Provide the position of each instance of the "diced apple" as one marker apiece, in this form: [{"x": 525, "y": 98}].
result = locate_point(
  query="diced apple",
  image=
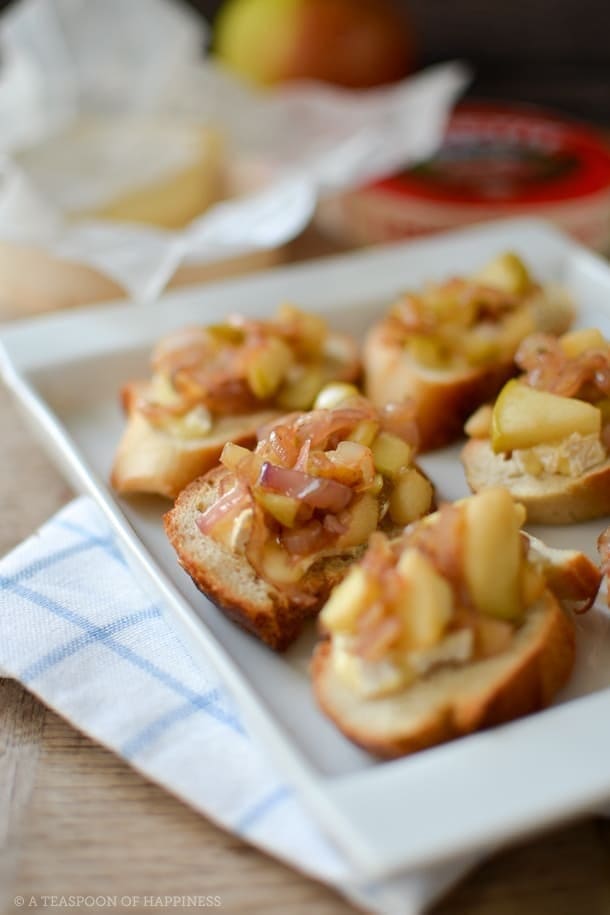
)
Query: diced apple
[
  {"x": 493, "y": 553},
  {"x": 520, "y": 513},
  {"x": 232, "y": 455},
  {"x": 428, "y": 351},
  {"x": 426, "y": 603},
  {"x": 579, "y": 341},
  {"x": 411, "y": 497},
  {"x": 278, "y": 565},
  {"x": 268, "y": 366},
  {"x": 479, "y": 424},
  {"x": 479, "y": 346},
  {"x": 334, "y": 394},
  {"x": 354, "y": 464},
  {"x": 226, "y": 333},
  {"x": 364, "y": 433},
  {"x": 363, "y": 521},
  {"x": 507, "y": 273},
  {"x": 301, "y": 387},
  {"x": 377, "y": 484},
  {"x": 348, "y": 600},
  {"x": 524, "y": 417},
  {"x": 312, "y": 329},
  {"x": 283, "y": 508},
  {"x": 443, "y": 301},
  {"x": 391, "y": 454},
  {"x": 516, "y": 326}
]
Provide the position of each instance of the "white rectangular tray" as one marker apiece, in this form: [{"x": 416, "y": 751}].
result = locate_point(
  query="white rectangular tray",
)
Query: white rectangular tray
[{"x": 66, "y": 371}]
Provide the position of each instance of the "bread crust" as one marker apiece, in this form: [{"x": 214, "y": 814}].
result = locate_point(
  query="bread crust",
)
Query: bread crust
[
  {"x": 471, "y": 697},
  {"x": 549, "y": 499},
  {"x": 443, "y": 400},
  {"x": 230, "y": 582}
]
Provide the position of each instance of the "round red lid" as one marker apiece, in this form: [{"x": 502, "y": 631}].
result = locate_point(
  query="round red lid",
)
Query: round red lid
[{"x": 508, "y": 155}]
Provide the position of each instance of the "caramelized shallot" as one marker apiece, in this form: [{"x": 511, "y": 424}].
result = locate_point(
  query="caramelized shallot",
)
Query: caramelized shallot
[
  {"x": 228, "y": 506},
  {"x": 549, "y": 368},
  {"x": 317, "y": 492}
]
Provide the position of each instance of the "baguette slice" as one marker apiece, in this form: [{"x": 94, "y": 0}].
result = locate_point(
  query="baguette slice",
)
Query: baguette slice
[
  {"x": 150, "y": 459},
  {"x": 228, "y": 579},
  {"x": 548, "y": 499},
  {"x": 454, "y": 701},
  {"x": 443, "y": 399}
]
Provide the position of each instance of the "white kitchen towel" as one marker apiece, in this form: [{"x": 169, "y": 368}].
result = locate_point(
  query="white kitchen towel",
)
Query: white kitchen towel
[{"x": 80, "y": 633}]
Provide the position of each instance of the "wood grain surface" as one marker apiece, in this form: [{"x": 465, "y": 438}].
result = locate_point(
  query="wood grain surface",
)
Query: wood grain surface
[{"x": 74, "y": 819}]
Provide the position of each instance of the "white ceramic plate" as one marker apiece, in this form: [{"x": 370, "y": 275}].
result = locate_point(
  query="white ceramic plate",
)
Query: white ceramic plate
[{"x": 476, "y": 792}]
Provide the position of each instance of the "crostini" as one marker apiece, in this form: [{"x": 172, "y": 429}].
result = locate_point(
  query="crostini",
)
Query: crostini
[
  {"x": 547, "y": 437},
  {"x": 269, "y": 533},
  {"x": 450, "y": 347},
  {"x": 220, "y": 383},
  {"x": 457, "y": 625}
]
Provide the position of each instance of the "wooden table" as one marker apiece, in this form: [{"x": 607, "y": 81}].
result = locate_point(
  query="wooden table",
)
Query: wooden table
[{"x": 76, "y": 820}]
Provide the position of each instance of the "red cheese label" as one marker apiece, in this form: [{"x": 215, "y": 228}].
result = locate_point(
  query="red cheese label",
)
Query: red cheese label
[{"x": 508, "y": 155}]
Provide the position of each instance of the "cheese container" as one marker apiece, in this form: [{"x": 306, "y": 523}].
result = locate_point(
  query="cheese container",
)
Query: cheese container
[{"x": 497, "y": 161}]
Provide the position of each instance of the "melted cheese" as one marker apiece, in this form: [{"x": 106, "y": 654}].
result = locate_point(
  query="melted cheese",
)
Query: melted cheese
[
  {"x": 372, "y": 679},
  {"x": 197, "y": 423},
  {"x": 240, "y": 531},
  {"x": 572, "y": 457},
  {"x": 368, "y": 679}
]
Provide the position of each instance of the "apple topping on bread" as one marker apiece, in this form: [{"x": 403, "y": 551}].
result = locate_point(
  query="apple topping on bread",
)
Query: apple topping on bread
[
  {"x": 219, "y": 383},
  {"x": 456, "y": 625},
  {"x": 271, "y": 531},
  {"x": 450, "y": 347},
  {"x": 603, "y": 548},
  {"x": 547, "y": 436}
]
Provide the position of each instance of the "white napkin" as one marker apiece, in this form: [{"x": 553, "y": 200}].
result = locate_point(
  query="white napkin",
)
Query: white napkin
[
  {"x": 80, "y": 634},
  {"x": 66, "y": 59}
]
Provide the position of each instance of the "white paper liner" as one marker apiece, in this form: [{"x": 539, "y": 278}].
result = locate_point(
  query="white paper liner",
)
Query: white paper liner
[{"x": 67, "y": 60}]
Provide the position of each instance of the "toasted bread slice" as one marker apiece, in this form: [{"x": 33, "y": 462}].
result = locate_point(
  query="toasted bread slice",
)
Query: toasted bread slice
[
  {"x": 453, "y": 701},
  {"x": 154, "y": 459},
  {"x": 150, "y": 460},
  {"x": 549, "y": 498},
  {"x": 443, "y": 400},
  {"x": 230, "y": 581},
  {"x": 444, "y": 397}
]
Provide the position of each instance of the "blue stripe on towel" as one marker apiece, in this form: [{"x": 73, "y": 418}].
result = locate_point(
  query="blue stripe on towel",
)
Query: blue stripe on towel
[
  {"x": 160, "y": 725},
  {"x": 59, "y": 654},
  {"x": 47, "y": 562},
  {"x": 107, "y": 543},
  {"x": 99, "y": 634},
  {"x": 260, "y": 810}
]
